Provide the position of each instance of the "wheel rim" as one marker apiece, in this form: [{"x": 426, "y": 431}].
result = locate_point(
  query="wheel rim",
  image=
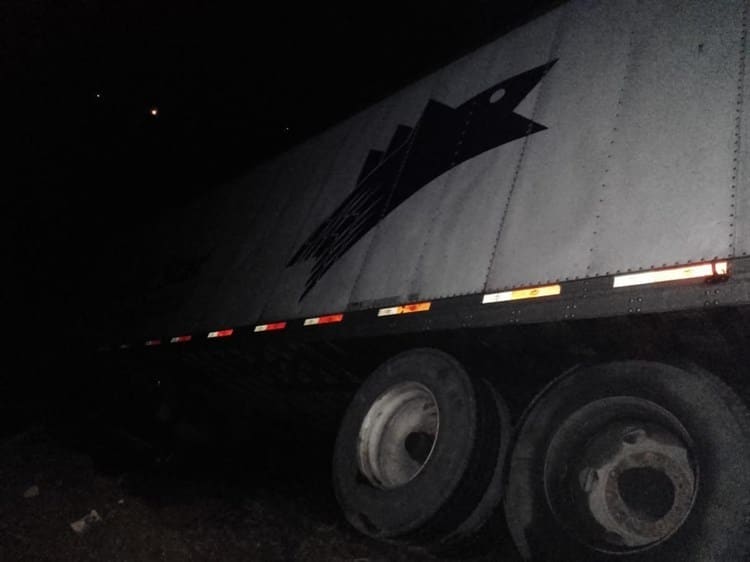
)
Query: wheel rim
[
  {"x": 398, "y": 435},
  {"x": 620, "y": 475}
]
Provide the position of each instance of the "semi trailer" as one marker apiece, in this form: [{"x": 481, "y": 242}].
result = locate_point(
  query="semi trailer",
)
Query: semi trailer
[{"x": 532, "y": 264}]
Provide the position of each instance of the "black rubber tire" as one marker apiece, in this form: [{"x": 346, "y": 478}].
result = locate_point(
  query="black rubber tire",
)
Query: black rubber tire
[
  {"x": 460, "y": 469},
  {"x": 478, "y": 533},
  {"x": 718, "y": 422}
]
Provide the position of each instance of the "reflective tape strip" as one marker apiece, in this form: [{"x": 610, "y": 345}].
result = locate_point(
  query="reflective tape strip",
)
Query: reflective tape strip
[
  {"x": 180, "y": 339},
  {"x": 405, "y": 309},
  {"x": 330, "y": 319},
  {"x": 520, "y": 294},
  {"x": 672, "y": 274},
  {"x": 150, "y": 343},
  {"x": 270, "y": 327},
  {"x": 221, "y": 333}
]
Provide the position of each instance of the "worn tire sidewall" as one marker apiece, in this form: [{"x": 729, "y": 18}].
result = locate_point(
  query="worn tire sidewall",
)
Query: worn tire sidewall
[{"x": 491, "y": 502}]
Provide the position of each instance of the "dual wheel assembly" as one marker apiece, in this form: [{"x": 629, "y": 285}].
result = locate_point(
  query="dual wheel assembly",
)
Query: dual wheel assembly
[{"x": 630, "y": 460}]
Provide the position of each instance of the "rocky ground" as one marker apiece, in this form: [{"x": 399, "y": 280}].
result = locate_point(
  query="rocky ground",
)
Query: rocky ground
[{"x": 188, "y": 505}]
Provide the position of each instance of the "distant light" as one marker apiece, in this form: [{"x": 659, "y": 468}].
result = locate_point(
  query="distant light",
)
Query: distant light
[
  {"x": 98, "y": 95},
  {"x": 154, "y": 111},
  {"x": 286, "y": 129}
]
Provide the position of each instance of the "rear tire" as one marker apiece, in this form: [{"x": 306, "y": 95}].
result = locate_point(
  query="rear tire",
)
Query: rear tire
[
  {"x": 418, "y": 449},
  {"x": 478, "y": 534},
  {"x": 632, "y": 460}
]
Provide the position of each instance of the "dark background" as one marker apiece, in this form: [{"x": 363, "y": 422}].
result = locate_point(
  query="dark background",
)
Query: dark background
[
  {"x": 85, "y": 158},
  {"x": 85, "y": 161},
  {"x": 232, "y": 83}
]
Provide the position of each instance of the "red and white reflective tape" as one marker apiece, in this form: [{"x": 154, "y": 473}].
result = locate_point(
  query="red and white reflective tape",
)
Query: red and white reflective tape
[
  {"x": 180, "y": 339},
  {"x": 690, "y": 271},
  {"x": 221, "y": 333},
  {"x": 329, "y": 319},
  {"x": 405, "y": 309},
  {"x": 270, "y": 327}
]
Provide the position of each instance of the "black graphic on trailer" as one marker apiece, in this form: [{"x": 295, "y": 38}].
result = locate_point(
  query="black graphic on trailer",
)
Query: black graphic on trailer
[{"x": 443, "y": 138}]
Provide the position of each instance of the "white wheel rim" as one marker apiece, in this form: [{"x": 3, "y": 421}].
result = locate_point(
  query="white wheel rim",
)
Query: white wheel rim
[{"x": 398, "y": 435}]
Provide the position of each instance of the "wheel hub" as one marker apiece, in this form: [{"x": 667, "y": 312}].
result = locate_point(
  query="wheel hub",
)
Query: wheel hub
[
  {"x": 641, "y": 492},
  {"x": 619, "y": 474}
]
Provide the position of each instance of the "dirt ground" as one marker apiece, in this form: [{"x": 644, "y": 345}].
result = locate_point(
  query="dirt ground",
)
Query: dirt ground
[{"x": 190, "y": 505}]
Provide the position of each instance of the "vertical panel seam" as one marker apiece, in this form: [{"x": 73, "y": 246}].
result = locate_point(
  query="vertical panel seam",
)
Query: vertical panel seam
[
  {"x": 307, "y": 214},
  {"x": 519, "y": 163},
  {"x": 378, "y": 226},
  {"x": 604, "y": 185},
  {"x": 438, "y": 211},
  {"x": 738, "y": 133}
]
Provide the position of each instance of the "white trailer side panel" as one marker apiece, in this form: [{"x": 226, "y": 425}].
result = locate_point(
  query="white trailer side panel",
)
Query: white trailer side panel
[
  {"x": 230, "y": 299},
  {"x": 618, "y": 143},
  {"x": 371, "y": 130},
  {"x": 459, "y": 244},
  {"x": 233, "y": 217},
  {"x": 296, "y": 189},
  {"x": 548, "y": 230},
  {"x": 285, "y": 301},
  {"x": 411, "y": 222},
  {"x": 668, "y": 197},
  {"x": 383, "y": 255}
]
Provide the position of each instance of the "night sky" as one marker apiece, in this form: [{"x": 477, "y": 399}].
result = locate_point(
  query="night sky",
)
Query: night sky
[{"x": 118, "y": 111}]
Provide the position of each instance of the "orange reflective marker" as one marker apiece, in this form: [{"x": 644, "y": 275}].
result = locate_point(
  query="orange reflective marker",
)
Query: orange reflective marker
[{"x": 405, "y": 309}]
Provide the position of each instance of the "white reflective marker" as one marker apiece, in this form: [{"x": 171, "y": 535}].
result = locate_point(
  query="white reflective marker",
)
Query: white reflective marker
[
  {"x": 672, "y": 274},
  {"x": 521, "y": 294}
]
